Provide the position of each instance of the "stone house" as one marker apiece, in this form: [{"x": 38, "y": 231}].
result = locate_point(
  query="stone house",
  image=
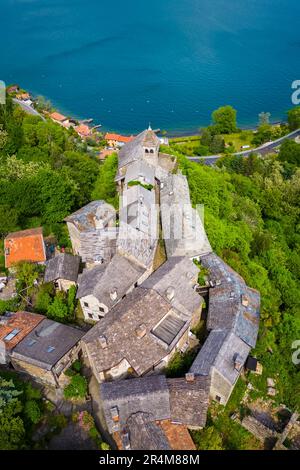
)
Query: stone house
[
  {"x": 63, "y": 271},
  {"x": 150, "y": 324},
  {"x": 47, "y": 351},
  {"x": 92, "y": 230},
  {"x": 144, "y": 146},
  {"x": 102, "y": 287},
  {"x": 233, "y": 321},
  {"x": 13, "y": 328},
  {"x": 154, "y": 413}
]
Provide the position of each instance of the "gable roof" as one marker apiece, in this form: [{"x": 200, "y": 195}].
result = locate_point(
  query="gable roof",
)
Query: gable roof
[
  {"x": 148, "y": 395},
  {"x": 140, "y": 169},
  {"x": 143, "y": 308},
  {"x": 118, "y": 137},
  {"x": 182, "y": 227},
  {"x": 220, "y": 351},
  {"x": 18, "y": 325},
  {"x": 226, "y": 299},
  {"x": 189, "y": 401},
  {"x": 83, "y": 130},
  {"x": 178, "y": 275},
  {"x": 58, "y": 117},
  {"x": 34, "y": 349},
  {"x": 115, "y": 277},
  {"x": 25, "y": 245},
  {"x": 134, "y": 150},
  {"x": 87, "y": 218},
  {"x": 63, "y": 266}
]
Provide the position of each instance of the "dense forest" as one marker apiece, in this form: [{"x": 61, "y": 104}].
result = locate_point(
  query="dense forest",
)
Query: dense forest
[{"x": 252, "y": 209}]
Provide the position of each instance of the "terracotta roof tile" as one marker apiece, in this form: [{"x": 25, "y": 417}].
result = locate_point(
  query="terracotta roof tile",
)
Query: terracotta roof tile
[
  {"x": 118, "y": 137},
  {"x": 23, "y": 321},
  {"x": 58, "y": 117},
  {"x": 26, "y": 245}
]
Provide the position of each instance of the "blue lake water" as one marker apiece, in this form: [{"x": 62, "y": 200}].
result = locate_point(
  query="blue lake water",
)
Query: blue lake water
[{"x": 170, "y": 62}]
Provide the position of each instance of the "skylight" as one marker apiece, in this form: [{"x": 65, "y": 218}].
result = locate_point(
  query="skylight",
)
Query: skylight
[
  {"x": 12, "y": 334},
  {"x": 50, "y": 349}
]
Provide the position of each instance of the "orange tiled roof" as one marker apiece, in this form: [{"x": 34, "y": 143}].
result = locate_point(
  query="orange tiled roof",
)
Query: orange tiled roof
[
  {"x": 26, "y": 245},
  {"x": 83, "y": 130},
  {"x": 118, "y": 137},
  {"x": 23, "y": 321},
  {"x": 23, "y": 96},
  {"x": 178, "y": 435},
  {"x": 58, "y": 117}
]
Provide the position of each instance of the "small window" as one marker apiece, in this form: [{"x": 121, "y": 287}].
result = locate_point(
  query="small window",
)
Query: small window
[
  {"x": 101, "y": 309},
  {"x": 218, "y": 398},
  {"x": 90, "y": 315},
  {"x": 100, "y": 317},
  {"x": 11, "y": 335},
  {"x": 50, "y": 349},
  {"x": 85, "y": 304},
  {"x": 31, "y": 342}
]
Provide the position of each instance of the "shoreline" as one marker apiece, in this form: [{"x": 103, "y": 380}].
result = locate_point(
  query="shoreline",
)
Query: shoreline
[{"x": 171, "y": 133}]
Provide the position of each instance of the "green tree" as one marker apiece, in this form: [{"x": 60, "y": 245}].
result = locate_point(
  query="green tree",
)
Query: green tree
[
  {"x": 290, "y": 152},
  {"x": 105, "y": 186},
  {"x": 217, "y": 144},
  {"x": 294, "y": 118},
  {"x": 32, "y": 411},
  {"x": 208, "y": 439},
  {"x": 224, "y": 120},
  {"x": 58, "y": 309}
]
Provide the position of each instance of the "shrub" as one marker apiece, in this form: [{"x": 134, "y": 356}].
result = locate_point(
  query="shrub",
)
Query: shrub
[
  {"x": 77, "y": 388},
  {"x": 32, "y": 411}
]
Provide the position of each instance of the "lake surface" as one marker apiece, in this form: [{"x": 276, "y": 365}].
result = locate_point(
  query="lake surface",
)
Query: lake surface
[{"x": 168, "y": 62}]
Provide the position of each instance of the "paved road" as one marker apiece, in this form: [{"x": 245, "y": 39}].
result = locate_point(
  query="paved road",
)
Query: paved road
[
  {"x": 263, "y": 150},
  {"x": 28, "y": 109}
]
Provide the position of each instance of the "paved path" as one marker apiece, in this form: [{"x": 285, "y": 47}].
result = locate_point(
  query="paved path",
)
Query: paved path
[
  {"x": 28, "y": 109},
  {"x": 263, "y": 150}
]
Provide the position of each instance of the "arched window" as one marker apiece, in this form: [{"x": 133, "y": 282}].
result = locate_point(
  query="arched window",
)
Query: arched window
[
  {"x": 151, "y": 151},
  {"x": 146, "y": 151}
]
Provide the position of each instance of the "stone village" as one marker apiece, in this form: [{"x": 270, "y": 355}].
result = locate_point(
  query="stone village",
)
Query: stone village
[{"x": 143, "y": 310}]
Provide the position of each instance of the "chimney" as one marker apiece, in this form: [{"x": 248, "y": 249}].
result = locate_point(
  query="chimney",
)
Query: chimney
[
  {"x": 103, "y": 342},
  {"x": 113, "y": 294},
  {"x": 115, "y": 414},
  {"x": 141, "y": 331},
  {"x": 190, "y": 377},
  {"x": 238, "y": 362},
  {"x": 170, "y": 292}
]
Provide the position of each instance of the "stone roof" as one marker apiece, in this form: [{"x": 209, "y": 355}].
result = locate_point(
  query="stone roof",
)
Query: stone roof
[
  {"x": 220, "y": 351},
  {"x": 47, "y": 343},
  {"x": 134, "y": 150},
  {"x": 138, "y": 228},
  {"x": 189, "y": 401},
  {"x": 63, "y": 266},
  {"x": 183, "y": 230},
  {"x": 145, "y": 434},
  {"x": 175, "y": 280},
  {"x": 148, "y": 395},
  {"x": 177, "y": 400},
  {"x": 208, "y": 353},
  {"x": 140, "y": 171},
  {"x": 232, "y": 305},
  {"x": 103, "y": 281},
  {"x": 141, "y": 311},
  {"x": 16, "y": 326},
  {"x": 93, "y": 216},
  {"x": 25, "y": 245}
]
